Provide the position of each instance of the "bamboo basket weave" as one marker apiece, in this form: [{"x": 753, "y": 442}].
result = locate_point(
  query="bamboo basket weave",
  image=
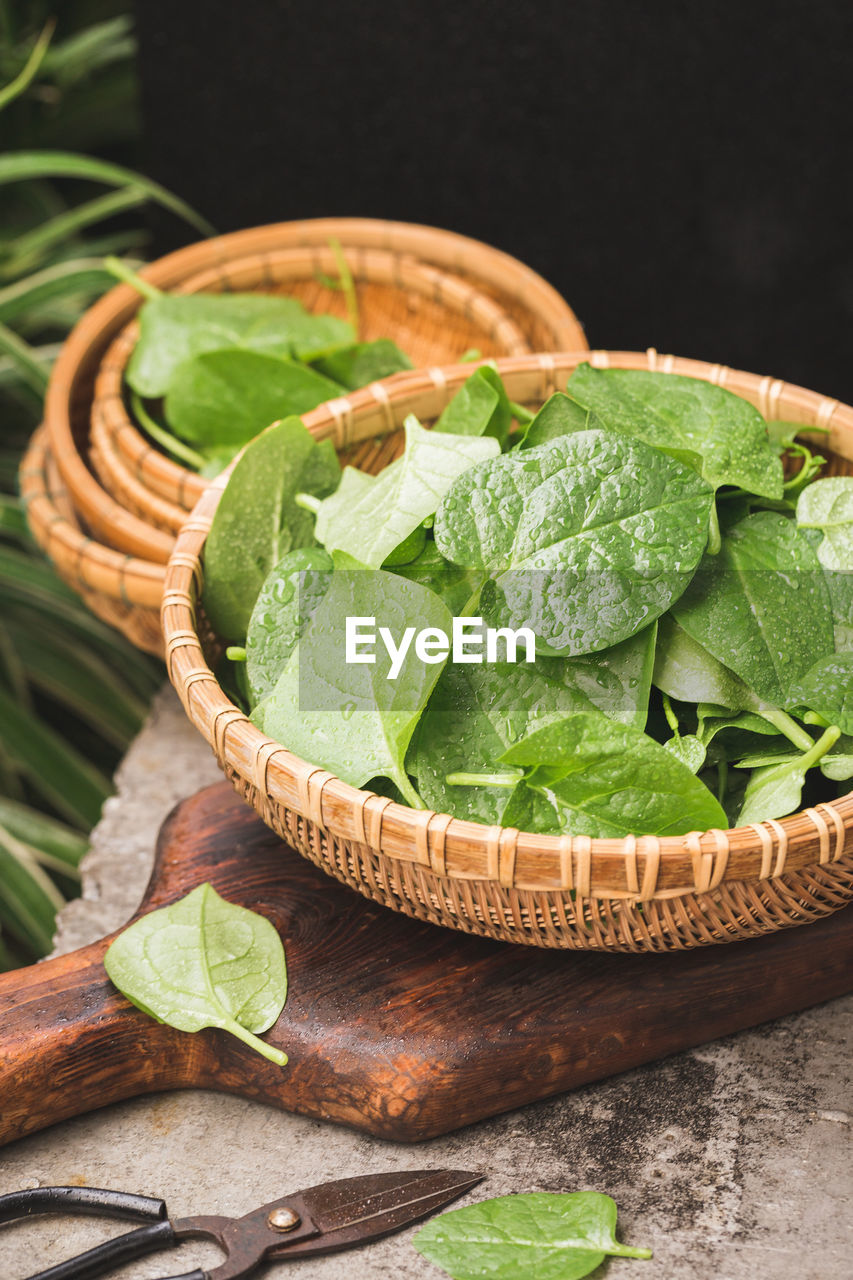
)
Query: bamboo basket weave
[
  {"x": 636, "y": 894},
  {"x": 103, "y": 578}
]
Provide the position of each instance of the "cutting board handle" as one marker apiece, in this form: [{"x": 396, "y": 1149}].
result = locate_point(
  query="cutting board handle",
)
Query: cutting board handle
[{"x": 70, "y": 1042}]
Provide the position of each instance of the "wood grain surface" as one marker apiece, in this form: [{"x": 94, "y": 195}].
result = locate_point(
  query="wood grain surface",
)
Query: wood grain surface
[{"x": 401, "y": 1029}]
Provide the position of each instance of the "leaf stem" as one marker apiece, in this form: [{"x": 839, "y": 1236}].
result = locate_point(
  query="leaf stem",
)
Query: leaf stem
[
  {"x": 786, "y": 725},
  {"x": 408, "y": 791},
  {"x": 508, "y": 778},
  {"x": 127, "y": 275},
  {"x": 308, "y": 502},
  {"x": 671, "y": 717},
  {"x": 235, "y": 653},
  {"x": 347, "y": 282},
  {"x": 715, "y": 540},
  {"x": 163, "y": 437},
  {"x": 820, "y": 748},
  {"x": 28, "y": 72},
  {"x": 254, "y": 1042}
]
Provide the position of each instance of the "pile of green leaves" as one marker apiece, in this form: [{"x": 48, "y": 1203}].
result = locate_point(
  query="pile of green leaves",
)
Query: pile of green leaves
[
  {"x": 72, "y": 692},
  {"x": 693, "y": 609},
  {"x": 210, "y": 371}
]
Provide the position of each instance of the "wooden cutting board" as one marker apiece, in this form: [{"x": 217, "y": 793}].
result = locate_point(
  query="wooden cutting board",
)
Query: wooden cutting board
[{"x": 402, "y": 1029}]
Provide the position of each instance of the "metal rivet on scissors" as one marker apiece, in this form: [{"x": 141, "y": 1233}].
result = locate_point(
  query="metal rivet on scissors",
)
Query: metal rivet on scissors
[{"x": 323, "y": 1219}]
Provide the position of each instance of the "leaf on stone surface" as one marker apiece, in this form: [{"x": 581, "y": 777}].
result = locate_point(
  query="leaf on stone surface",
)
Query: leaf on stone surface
[
  {"x": 257, "y": 520},
  {"x": 608, "y": 779},
  {"x": 204, "y": 962},
  {"x": 223, "y": 399},
  {"x": 828, "y": 505},
  {"x": 350, "y": 718},
  {"x": 586, "y": 539},
  {"x": 478, "y": 710},
  {"x": 369, "y": 516},
  {"x": 669, "y": 411},
  {"x": 175, "y": 327},
  {"x": 540, "y": 1236}
]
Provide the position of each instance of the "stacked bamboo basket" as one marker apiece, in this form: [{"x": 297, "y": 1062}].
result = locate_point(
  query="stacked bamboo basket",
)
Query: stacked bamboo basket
[
  {"x": 635, "y": 894},
  {"x": 106, "y": 505}
]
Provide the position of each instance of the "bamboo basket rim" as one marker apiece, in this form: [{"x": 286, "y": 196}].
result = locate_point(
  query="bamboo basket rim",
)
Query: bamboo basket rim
[
  {"x": 635, "y": 869},
  {"x": 459, "y": 254},
  {"x": 130, "y": 465},
  {"x": 81, "y": 560}
]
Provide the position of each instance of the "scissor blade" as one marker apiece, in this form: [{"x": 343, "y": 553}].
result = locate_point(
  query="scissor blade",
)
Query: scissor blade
[{"x": 354, "y": 1211}]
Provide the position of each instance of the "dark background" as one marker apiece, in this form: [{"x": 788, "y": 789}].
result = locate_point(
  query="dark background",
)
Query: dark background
[{"x": 680, "y": 172}]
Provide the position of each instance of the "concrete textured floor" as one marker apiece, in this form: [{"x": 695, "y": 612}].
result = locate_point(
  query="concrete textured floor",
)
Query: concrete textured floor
[{"x": 729, "y": 1161}]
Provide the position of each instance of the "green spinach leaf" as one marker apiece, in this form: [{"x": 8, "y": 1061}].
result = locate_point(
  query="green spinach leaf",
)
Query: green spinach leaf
[
  {"x": 762, "y": 606},
  {"x": 478, "y": 710},
  {"x": 723, "y": 431},
  {"x": 454, "y": 584},
  {"x": 358, "y": 364},
  {"x": 586, "y": 539},
  {"x": 369, "y": 516},
  {"x": 286, "y": 602},
  {"x": 540, "y": 1236},
  {"x": 204, "y": 962},
  {"x": 608, "y": 779},
  {"x": 176, "y": 327},
  {"x": 356, "y": 719},
  {"x": 257, "y": 520},
  {"x": 828, "y": 505},
  {"x": 559, "y": 416},
  {"x": 776, "y": 790},
  {"x": 827, "y": 688},
  {"x": 479, "y": 408},
  {"x": 223, "y": 399}
]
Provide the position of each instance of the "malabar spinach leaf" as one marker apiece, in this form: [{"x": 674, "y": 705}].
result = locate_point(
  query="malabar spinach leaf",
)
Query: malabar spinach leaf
[
  {"x": 455, "y": 585},
  {"x": 257, "y": 520},
  {"x": 176, "y": 327},
  {"x": 204, "y": 962},
  {"x": 828, "y": 505},
  {"x": 363, "y": 362},
  {"x": 559, "y": 416},
  {"x": 285, "y": 604},
  {"x": 762, "y": 606},
  {"x": 586, "y": 539},
  {"x": 608, "y": 779},
  {"x": 350, "y": 717},
  {"x": 671, "y": 412},
  {"x": 222, "y": 399},
  {"x": 369, "y": 516},
  {"x": 540, "y": 1236},
  {"x": 480, "y": 408},
  {"x": 776, "y": 790},
  {"x": 478, "y": 710},
  {"x": 827, "y": 688}
]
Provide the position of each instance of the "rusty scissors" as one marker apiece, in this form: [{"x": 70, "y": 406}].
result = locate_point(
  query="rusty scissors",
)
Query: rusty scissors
[{"x": 322, "y": 1219}]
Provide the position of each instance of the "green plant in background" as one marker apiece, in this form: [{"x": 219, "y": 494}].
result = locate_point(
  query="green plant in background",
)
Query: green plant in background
[{"x": 72, "y": 692}]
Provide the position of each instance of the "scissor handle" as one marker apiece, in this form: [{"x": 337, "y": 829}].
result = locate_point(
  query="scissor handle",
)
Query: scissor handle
[
  {"x": 112, "y": 1253},
  {"x": 94, "y": 1200}
]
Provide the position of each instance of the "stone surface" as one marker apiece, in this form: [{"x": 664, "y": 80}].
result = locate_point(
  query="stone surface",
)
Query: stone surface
[{"x": 731, "y": 1161}]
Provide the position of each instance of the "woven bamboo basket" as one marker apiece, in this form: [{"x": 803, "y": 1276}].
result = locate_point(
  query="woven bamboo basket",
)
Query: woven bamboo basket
[
  {"x": 437, "y": 293},
  {"x": 120, "y": 590},
  {"x": 638, "y": 894},
  {"x": 428, "y": 312}
]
